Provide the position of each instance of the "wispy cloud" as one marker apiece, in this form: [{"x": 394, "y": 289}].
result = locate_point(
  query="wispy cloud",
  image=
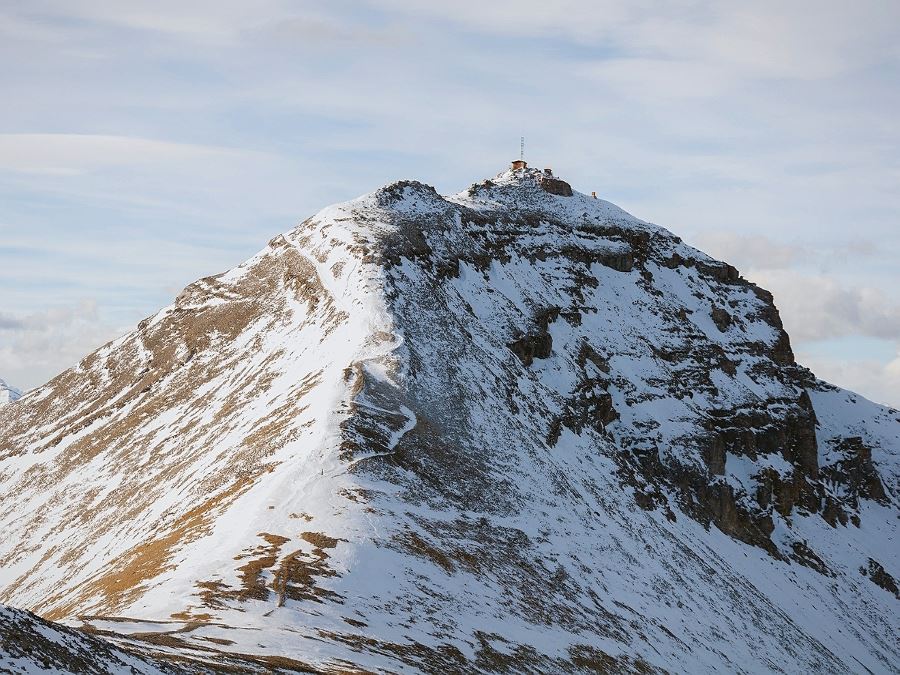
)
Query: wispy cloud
[
  {"x": 38, "y": 345},
  {"x": 76, "y": 153},
  {"x": 844, "y": 323},
  {"x": 818, "y": 308},
  {"x": 877, "y": 379},
  {"x": 753, "y": 251},
  {"x": 10, "y": 322}
]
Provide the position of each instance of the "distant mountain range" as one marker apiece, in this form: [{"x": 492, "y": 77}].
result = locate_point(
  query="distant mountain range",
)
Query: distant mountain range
[{"x": 8, "y": 394}]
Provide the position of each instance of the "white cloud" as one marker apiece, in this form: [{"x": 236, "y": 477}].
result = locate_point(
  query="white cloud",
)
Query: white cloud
[
  {"x": 753, "y": 251},
  {"x": 876, "y": 380},
  {"x": 137, "y": 177},
  {"x": 819, "y": 311},
  {"x": 815, "y": 307},
  {"x": 36, "y": 346},
  {"x": 8, "y": 322},
  {"x": 843, "y": 326},
  {"x": 802, "y": 39},
  {"x": 70, "y": 154},
  {"x": 210, "y": 21}
]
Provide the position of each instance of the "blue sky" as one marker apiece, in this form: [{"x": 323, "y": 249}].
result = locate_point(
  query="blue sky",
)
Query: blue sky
[{"x": 144, "y": 145}]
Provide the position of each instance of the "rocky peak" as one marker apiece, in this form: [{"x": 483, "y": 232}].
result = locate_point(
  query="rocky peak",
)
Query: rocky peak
[
  {"x": 523, "y": 187},
  {"x": 514, "y": 427}
]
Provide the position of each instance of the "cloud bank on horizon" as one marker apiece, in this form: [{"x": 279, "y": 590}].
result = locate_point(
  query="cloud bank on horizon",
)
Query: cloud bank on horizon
[{"x": 144, "y": 145}]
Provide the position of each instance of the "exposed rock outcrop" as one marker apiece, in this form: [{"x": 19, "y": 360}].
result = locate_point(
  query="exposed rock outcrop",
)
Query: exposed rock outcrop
[{"x": 555, "y": 186}]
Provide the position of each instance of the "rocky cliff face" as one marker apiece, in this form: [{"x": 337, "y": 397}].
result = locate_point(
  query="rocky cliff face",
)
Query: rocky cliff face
[{"x": 514, "y": 428}]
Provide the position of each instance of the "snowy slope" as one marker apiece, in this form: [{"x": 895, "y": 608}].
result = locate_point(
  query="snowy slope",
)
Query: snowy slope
[
  {"x": 8, "y": 394},
  {"x": 515, "y": 425}
]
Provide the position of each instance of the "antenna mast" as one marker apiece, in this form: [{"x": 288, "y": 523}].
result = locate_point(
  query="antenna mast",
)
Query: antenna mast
[{"x": 522, "y": 148}]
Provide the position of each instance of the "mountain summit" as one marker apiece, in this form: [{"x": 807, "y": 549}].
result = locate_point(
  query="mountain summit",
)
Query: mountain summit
[{"x": 514, "y": 429}]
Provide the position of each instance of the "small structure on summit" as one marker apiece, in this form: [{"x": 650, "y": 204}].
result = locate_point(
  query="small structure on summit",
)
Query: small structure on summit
[{"x": 545, "y": 179}]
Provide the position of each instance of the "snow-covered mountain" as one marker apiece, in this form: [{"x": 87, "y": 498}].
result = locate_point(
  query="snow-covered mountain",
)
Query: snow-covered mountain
[
  {"x": 8, "y": 394},
  {"x": 512, "y": 429}
]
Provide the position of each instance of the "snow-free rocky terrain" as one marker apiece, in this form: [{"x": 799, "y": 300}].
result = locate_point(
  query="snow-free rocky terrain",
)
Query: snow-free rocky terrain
[{"x": 514, "y": 429}]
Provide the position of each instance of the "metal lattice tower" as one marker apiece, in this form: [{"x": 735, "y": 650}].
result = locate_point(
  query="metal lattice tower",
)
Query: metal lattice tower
[{"x": 522, "y": 148}]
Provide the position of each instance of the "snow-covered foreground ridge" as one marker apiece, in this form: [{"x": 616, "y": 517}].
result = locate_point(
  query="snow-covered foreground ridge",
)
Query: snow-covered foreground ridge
[
  {"x": 29, "y": 644},
  {"x": 513, "y": 429}
]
